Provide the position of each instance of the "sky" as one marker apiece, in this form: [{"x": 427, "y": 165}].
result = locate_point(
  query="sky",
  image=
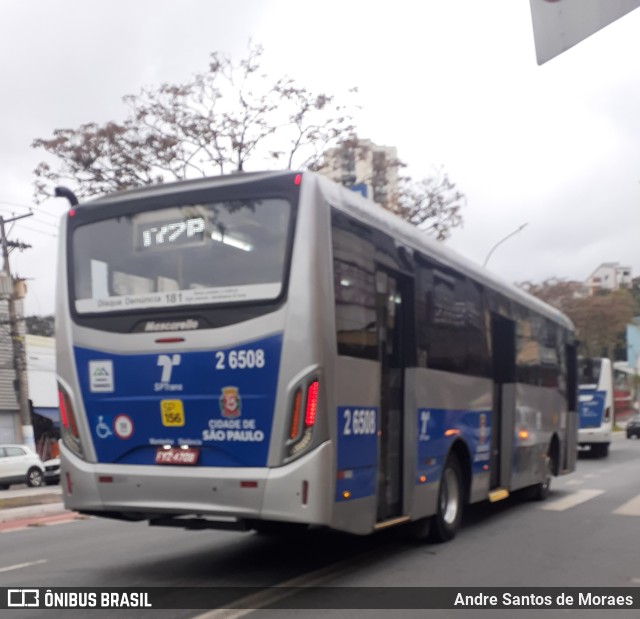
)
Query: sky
[{"x": 451, "y": 83}]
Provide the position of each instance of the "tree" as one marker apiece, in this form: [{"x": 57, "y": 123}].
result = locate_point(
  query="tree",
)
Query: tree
[
  {"x": 600, "y": 319},
  {"x": 557, "y": 292},
  {"x": 41, "y": 325},
  {"x": 213, "y": 124},
  {"x": 223, "y": 120},
  {"x": 434, "y": 200}
]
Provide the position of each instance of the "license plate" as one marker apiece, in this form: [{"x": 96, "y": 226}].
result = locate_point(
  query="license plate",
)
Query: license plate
[{"x": 176, "y": 455}]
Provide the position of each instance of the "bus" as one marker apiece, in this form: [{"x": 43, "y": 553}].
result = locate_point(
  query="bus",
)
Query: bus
[
  {"x": 250, "y": 351},
  {"x": 595, "y": 404}
]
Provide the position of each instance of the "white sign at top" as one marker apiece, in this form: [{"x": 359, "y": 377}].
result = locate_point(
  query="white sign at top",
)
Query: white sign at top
[{"x": 561, "y": 24}]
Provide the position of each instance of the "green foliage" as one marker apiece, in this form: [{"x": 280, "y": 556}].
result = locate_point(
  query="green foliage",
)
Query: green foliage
[{"x": 600, "y": 320}]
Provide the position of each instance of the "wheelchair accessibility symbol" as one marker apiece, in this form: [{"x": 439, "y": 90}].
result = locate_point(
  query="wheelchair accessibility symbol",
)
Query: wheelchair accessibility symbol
[{"x": 102, "y": 429}]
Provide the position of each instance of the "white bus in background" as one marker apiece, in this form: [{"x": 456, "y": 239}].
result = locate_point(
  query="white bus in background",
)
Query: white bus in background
[{"x": 595, "y": 405}]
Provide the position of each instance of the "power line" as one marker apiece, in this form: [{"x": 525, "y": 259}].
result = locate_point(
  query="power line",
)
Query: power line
[
  {"x": 39, "y": 231},
  {"x": 35, "y": 220},
  {"x": 31, "y": 208},
  {"x": 39, "y": 222}
]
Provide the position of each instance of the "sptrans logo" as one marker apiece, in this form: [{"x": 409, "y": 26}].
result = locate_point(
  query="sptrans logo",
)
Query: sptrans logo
[
  {"x": 167, "y": 363},
  {"x": 230, "y": 403}
]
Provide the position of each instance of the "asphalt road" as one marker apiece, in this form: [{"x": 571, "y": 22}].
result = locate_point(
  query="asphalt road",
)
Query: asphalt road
[{"x": 584, "y": 535}]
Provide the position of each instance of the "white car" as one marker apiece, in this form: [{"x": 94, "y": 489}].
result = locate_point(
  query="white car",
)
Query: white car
[{"x": 20, "y": 465}]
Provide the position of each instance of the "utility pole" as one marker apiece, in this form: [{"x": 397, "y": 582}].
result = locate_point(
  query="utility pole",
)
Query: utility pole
[{"x": 19, "y": 353}]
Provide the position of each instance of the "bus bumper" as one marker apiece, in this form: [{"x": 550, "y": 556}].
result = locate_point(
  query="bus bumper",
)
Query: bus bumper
[
  {"x": 588, "y": 436},
  {"x": 297, "y": 492}
]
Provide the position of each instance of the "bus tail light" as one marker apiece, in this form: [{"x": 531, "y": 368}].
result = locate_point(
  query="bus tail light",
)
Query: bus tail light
[
  {"x": 607, "y": 413},
  {"x": 294, "y": 428},
  {"x": 312, "y": 404},
  {"x": 301, "y": 429},
  {"x": 70, "y": 433}
]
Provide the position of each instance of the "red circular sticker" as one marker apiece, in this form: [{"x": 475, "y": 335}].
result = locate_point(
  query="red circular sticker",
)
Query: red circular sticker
[{"x": 123, "y": 426}]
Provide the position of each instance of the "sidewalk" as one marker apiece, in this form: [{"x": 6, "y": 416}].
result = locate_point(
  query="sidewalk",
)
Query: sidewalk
[{"x": 22, "y": 502}]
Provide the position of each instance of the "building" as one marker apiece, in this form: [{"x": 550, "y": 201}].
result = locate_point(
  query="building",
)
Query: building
[
  {"x": 609, "y": 276},
  {"x": 365, "y": 167},
  {"x": 10, "y": 422}
]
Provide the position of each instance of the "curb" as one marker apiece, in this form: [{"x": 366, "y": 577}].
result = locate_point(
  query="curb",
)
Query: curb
[
  {"x": 22, "y": 503},
  {"x": 29, "y": 500},
  {"x": 31, "y": 511}
]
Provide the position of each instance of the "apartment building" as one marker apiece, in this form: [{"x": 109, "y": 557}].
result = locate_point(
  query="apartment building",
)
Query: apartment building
[{"x": 365, "y": 167}]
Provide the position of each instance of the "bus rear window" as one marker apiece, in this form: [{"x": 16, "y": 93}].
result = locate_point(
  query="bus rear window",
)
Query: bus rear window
[
  {"x": 194, "y": 254},
  {"x": 589, "y": 371}
]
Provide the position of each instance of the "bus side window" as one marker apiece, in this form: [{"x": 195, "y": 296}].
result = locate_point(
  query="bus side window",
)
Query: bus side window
[
  {"x": 354, "y": 288},
  {"x": 451, "y": 325}
]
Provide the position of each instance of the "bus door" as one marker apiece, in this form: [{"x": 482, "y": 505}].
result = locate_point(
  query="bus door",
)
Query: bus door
[
  {"x": 503, "y": 345},
  {"x": 392, "y": 303}
]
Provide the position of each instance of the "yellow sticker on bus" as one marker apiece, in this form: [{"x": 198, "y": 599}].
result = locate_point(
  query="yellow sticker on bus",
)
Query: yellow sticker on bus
[{"x": 172, "y": 413}]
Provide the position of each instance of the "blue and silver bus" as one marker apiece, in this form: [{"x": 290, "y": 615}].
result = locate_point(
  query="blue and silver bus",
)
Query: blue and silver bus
[
  {"x": 267, "y": 348},
  {"x": 595, "y": 404}
]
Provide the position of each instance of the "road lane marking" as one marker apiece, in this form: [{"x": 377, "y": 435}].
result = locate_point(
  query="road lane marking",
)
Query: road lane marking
[
  {"x": 574, "y": 482},
  {"x": 630, "y": 508},
  {"x": 579, "y": 496},
  {"x": 283, "y": 590},
  {"x": 20, "y": 566}
]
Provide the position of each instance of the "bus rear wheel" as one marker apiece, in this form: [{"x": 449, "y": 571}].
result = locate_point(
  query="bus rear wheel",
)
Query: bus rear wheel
[
  {"x": 540, "y": 492},
  {"x": 446, "y": 522}
]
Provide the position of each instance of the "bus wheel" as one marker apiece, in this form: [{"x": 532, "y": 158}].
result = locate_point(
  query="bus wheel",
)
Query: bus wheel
[
  {"x": 418, "y": 530},
  {"x": 540, "y": 492},
  {"x": 446, "y": 522},
  {"x": 603, "y": 450}
]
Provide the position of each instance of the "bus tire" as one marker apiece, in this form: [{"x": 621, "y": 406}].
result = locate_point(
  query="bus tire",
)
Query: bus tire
[
  {"x": 540, "y": 492},
  {"x": 446, "y": 522},
  {"x": 418, "y": 530},
  {"x": 604, "y": 450}
]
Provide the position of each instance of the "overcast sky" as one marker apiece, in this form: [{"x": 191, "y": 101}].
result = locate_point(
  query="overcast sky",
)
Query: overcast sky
[{"x": 448, "y": 82}]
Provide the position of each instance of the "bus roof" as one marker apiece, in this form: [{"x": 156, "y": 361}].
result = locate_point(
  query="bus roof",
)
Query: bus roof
[{"x": 373, "y": 214}]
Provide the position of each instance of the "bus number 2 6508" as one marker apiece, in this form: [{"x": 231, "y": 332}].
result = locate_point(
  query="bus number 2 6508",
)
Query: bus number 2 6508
[
  {"x": 240, "y": 359},
  {"x": 359, "y": 421}
]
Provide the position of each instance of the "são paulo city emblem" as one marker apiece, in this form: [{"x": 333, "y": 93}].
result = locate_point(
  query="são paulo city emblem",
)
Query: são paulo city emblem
[{"x": 230, "y": 402}]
